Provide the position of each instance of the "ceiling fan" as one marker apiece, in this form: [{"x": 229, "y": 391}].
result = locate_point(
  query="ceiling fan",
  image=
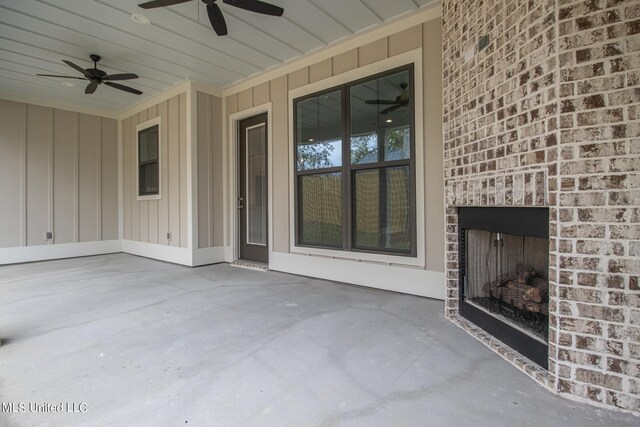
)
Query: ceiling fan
[
  {"x": 401, "y": 100},
  {"x": 97, "y": 77},
  {"x": 215, "y": 14}
]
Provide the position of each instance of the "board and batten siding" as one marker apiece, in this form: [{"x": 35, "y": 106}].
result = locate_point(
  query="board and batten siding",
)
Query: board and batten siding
[
  {"x": 210, "y": 171},
  {"x": 427, "y": 36},
  {"x": 150, "y": 221},
  {"x": 58, "y": 173}
]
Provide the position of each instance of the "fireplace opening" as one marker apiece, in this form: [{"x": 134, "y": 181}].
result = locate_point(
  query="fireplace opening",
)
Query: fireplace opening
[{"x": 504, "y": 254}]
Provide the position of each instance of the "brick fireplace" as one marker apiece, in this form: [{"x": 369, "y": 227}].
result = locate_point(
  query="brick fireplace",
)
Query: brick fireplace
[
  {"x": 547, "y": 115},
  {"x": 503, "y": 255}
]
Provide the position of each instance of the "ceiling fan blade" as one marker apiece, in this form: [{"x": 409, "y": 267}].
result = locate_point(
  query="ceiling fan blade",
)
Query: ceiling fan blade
[
  {"x": 125, "y": 76},
  {"x": 160, "y": 3},
  {"x": 124, "y": 88},
  {"x": 256, "y": 6},
  {"x": 217, "y": 19},
  {"x": 91, "y": 87},
  {"x": 380, "y": 101},
  {"x": 75, "y": 67},
  {"x": 62, "y": 77},
  {"x": 390, "y": 109}
]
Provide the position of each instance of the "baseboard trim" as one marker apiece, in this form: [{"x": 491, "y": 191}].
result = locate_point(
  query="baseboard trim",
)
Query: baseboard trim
[
  {"x": 406, "y": 280},
  {"x": 22, "y": 254},
  {"x": 175, "y": 255},
  {"x": 206, "y": 256},
  {"x": 171, "y": 254}
]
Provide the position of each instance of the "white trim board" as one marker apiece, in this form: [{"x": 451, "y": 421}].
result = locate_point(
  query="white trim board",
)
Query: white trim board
[
  {"x": 206, "y": 256},
  {"x": 156, "y": 121},
  {"x": 192, "y": 166},
  {"x": 231, "y": 173},
  {"x": 160, "y": 252},
  {"x": 60, "y": 105},
  {"x": 405, "y": 280},
  {"x": 17, "y": 255},
  {"x": 172, "y": 254}
]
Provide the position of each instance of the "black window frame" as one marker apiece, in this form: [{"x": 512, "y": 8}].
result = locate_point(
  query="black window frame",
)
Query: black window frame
[
  {"x": 348, "y": 170},
  {"x": 148, "y": 163}
]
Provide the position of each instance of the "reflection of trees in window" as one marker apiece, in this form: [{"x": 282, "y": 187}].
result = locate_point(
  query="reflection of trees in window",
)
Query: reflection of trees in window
[
  {"x": 399, "y": 140},
  {"x": 315, "y": 156},
  {"x": 362, "y": 146}
]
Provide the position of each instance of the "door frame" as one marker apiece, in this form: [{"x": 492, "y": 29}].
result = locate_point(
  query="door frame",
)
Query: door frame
[
  {"x": 231, "y": 187},
  {"x": 252, "y": 251}
]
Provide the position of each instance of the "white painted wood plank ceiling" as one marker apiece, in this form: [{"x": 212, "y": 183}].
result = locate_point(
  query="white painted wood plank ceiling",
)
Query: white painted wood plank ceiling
[{"x": 179, "y": 44}]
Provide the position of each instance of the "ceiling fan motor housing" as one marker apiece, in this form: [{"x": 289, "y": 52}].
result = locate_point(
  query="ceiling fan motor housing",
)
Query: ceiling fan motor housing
[{"x": 96, "y": 75}]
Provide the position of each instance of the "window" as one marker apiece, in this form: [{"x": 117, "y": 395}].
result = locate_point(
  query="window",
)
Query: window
[
  {"x": 149, "y": 161},
  {"x": 355, "y": 173}
]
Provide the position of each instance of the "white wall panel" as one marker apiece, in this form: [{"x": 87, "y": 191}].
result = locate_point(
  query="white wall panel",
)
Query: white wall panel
[
  {"x": 13, "y": 118},
  {"x": 58, "y": 173},
  {"x": 65, "y": 176}
]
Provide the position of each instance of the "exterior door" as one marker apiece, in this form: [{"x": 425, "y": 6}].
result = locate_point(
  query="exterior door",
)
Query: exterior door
[{"x": 253, "y": 197}]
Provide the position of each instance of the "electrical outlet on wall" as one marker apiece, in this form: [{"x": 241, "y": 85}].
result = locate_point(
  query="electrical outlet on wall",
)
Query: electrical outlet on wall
[
  {"x": 169, "y": 236},
  {"x": 48, "y": 235}
]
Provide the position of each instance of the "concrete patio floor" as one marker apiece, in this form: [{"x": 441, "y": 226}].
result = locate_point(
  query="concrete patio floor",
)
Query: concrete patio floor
[{"x": 146, "y": 343}]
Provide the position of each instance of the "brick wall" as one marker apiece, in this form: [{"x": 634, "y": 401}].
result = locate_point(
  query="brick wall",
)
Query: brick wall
[
  {"x": 598, "y": 201},
  {"x": 549, "y": 115}
]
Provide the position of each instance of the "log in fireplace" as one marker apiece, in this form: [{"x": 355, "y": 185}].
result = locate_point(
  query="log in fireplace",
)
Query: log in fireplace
[{"x": 504, "y": 278}]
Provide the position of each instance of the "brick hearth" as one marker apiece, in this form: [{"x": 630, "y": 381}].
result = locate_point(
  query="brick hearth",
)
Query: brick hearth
[{"x": 549, "y": 115}]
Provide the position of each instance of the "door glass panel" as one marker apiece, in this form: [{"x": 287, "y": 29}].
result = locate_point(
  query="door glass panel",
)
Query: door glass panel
[{"x": 256, "y": 191}]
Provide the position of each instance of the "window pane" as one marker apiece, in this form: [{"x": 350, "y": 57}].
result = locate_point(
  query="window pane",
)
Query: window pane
[
  {"x": 320, "y": 204},
  {"x": 319, "y": 132},
  {"x": 367, "y": 212},
  {"x": 149, "y": 179},
  {"x": 397, "y": 233},
  {"x": 397, "y": 143},
  {"x": 148, "y": 140},
  {"x": 380, "y": 116},
  {"x": 256, "y": 191},
  {"x": 382, "y": 209}
]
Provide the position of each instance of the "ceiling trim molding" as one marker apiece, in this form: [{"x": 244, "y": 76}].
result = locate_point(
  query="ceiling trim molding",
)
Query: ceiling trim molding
[
  {"x": 166, "y": 94},
  {"x": 185, "y": 86},
  {"x": 377, "y": 32},
  {"x": 59, "y": 105},
  {"x": 206, "y": 88}
]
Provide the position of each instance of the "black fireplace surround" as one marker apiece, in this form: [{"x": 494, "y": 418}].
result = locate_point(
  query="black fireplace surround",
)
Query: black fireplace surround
[{"x": 491, "y": 223}]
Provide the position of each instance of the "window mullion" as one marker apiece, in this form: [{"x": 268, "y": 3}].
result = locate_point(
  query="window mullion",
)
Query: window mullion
[
  {"x": 318, "y": 171},
  {"x": 382, "y": 199},
  {"x": 381, "y": 148},
  {"x": 347, "y": 214}
]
